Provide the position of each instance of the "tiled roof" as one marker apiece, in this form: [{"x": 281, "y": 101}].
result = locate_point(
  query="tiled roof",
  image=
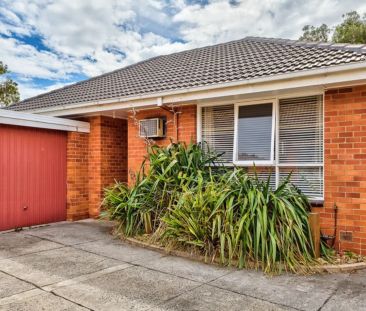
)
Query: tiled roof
[{"x": 243, "y": 59}]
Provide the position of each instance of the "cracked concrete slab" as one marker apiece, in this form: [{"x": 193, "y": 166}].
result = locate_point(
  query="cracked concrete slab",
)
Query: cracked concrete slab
[
  {"x": 10, "y": 285},
  {"x": 84, "y": 277},
  {"x": 348, "y": 296},
  {"x": 134, "y": 288},
  {"x": 359, "y": 277},
  {"x": 185, "y": 268},
  {"x": 40, "y": 301},
  {"x": 55, "y": 265},
  {"x": 77, "y": 266},
  {"x": 74, "y": 233},
  {"x": 17, "y": 243},
  {"x": 301, "y": 292},
  {"x": 120, "y": 251},
  {"x": 207, "y": 298}
]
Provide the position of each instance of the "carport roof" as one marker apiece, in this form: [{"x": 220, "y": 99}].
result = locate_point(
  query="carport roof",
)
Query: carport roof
[
  {"x": 45, "y": 122},
  {"x": 234, "y": 61}
]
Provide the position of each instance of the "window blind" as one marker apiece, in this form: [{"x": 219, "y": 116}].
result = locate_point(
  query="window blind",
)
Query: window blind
[
  {"x": 301, "y": 130},
  {"x": 263, "y": 173},
  {"x": 308, "y": 179},
  {"x": 218, "y": 129},
  {"x": 300, "y": 143}
]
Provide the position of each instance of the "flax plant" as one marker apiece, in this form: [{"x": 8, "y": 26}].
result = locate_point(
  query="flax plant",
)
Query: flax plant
[{"x": 187, "y": 196}]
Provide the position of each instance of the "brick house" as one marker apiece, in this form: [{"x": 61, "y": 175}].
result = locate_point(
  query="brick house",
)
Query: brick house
[{"x": 284, "y": 105}]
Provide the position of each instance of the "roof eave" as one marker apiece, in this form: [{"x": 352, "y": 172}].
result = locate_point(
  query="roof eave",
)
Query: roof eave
[
  {"x": 39, "y": 121},
  {"x": 328, "y": 76}
]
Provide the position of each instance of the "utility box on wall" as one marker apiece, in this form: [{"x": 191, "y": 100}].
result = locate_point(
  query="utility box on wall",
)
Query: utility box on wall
[{"x": 152, "y": 128}]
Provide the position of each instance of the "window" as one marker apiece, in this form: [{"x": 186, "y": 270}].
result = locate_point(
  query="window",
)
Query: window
[
  {"x": 218, "y": 129},
  {"x": 300, "y": 138},
  {"x": 281, "y": 136},
  {"x": 255, "y": 132},
  {"x": 301, "y": 130}
]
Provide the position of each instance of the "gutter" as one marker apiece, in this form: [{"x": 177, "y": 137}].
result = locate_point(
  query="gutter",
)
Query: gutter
[
  {"x": 157, "y": 99},
  {"x": 39, "y": 121}
]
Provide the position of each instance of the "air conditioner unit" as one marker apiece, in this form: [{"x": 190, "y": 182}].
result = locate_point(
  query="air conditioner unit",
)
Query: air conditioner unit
[{"x": 152, "y": 128}]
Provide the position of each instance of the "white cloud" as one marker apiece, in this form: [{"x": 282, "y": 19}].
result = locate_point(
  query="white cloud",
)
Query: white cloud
[
  {"x": 27, "y": 61},
  {"x": 29, "y": 89},
  {"x": 220, "y": 21},
  {"x": 11, "y": 23},
  {"x": 90, "y": 37}
]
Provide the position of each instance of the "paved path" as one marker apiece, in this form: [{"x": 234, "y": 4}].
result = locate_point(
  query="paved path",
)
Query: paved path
[{"x": 79, "y": 266}]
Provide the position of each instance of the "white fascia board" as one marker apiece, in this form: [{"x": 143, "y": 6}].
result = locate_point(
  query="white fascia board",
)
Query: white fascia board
[
  {"x": 99, "y": 107},
  {"x": 40, "y": 121},
  {"x": 325, "y": 77},
  {"x": 324, "y": 81}
]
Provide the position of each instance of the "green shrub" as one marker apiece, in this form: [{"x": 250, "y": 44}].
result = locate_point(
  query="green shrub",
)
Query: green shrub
[
  {"x": 188, "y": 197},
  {"x": 241, "y": 219},
  {"x": 157, "y": 185}
]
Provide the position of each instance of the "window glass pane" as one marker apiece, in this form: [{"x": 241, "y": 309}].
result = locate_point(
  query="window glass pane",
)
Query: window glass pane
[
  {"x": 218, "y": 129},
  {"x": 308, "y": 179},
  {"x": 301, "y": 130},
  {"x": 255, "y": 132}
]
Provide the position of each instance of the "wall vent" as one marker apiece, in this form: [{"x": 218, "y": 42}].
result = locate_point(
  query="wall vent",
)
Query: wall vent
[{"x": 346, "y": 235}]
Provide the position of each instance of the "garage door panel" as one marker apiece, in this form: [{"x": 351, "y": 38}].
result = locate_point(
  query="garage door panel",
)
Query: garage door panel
[{"x": 32, "y": 176}]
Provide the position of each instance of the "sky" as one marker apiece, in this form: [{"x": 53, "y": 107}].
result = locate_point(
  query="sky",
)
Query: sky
[{"x": 48, "y": 44}]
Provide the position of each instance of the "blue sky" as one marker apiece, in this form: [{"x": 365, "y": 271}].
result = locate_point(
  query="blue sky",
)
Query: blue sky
[{"x": 51, "y": 43}]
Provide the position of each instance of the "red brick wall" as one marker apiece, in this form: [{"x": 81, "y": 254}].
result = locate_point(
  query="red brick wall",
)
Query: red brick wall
[
  {"x": 95, "y": 161},
  {"x": 77, "y": 176},
  {"x": 114, "y": 151},
  {"x": 107, "y": 157},
  {"x": 186, "y": 125},
  {"x": 345, "y": 165},
  {"x": 94, "y": 170}
]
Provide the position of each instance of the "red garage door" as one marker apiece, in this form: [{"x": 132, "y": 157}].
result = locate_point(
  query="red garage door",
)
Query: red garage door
[{"x": 32, "y": 176}]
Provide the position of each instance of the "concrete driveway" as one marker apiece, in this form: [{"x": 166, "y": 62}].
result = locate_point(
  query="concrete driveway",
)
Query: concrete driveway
[{"x": 79, "y": 266}]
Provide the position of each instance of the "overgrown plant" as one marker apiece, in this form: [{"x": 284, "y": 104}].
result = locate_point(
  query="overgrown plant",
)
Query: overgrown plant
[
  {"x": 243, "y": 221},
  {"x": 158, "y": 184},
  {"x": 185, "y": 195}
]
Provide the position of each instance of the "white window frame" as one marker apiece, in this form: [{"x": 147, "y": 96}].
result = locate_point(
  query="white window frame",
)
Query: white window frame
[
  {"x": 274, "y": 163},
  {"x": 270, "y": 162}
]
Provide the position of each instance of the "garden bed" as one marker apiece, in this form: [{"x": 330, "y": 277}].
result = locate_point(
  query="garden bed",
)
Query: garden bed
[
  {"x": 193, "y": 205},
  {"x": 343, "y": 263}
]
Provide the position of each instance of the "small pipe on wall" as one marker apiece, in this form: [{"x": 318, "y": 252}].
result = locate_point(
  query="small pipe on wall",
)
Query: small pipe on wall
[{"x": 175, "y": 119}]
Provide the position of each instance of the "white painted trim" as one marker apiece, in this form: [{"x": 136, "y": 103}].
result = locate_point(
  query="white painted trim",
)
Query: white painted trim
[
  {"x": 39, "y": 121},
  {"x": 199, "y": 124},
  {"x": 277, "y": 169},
  {"x": 273, "y": 132},
  {"x": 235, "y": 144},
  {"x": 275, "y": 163},
  {"x": 326, "y": 77},
  {"x": 255, "y": 98},
  {"x": 323, "y": 158},
  {"x": 270, "y": 162},
  {"x": 300, "y": 164}
]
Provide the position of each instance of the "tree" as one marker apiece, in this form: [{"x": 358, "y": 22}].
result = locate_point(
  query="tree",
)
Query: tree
[
  {"x": 311, "y": 33},
  {"x": 9, "y": 93},
  {"x": 351, "y": 30}
]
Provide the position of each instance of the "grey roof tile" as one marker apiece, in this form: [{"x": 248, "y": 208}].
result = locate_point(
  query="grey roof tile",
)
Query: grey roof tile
[{"x": 248, "y": 58}]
